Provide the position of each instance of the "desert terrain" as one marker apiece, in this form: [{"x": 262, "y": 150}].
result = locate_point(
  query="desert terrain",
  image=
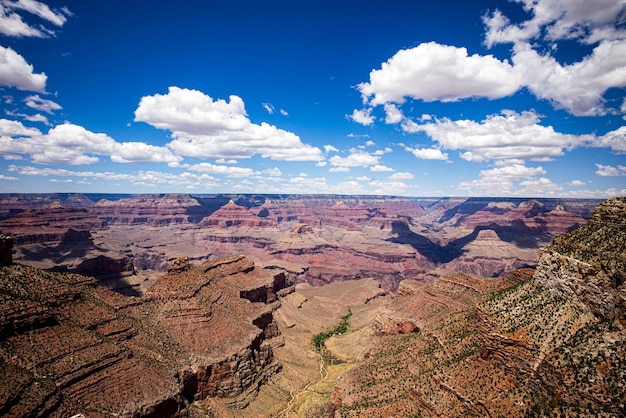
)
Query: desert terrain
[{"x": 298, "y": 306}]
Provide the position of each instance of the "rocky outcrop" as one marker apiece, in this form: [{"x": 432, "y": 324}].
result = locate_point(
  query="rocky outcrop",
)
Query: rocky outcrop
[
  {"x": 588, "y": 265},
  {"x": 70, "y": 347},
  {"x": 51, "y": 224},
  {"x": 563, "y": 331},
  {"x": 155, "y": 210},
  {"x": 232, "y": 214}
]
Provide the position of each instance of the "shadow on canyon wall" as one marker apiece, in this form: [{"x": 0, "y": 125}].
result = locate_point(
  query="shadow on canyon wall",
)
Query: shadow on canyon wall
[{"x": 517, "y": 233}]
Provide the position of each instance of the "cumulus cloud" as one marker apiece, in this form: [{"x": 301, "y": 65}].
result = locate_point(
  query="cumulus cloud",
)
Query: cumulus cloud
[
  {"x": 560, "y": 19},
  {"x": 204, "y": 128},
  {"x": 507, "y": 136},
  {"x": 428, "y": 153},
  {"x": 16, "y": 72},
  {"x": 503, "y": 181},
  {"x": 356, "y": 158},
  {"x": 363, "y": 116},
  {"x": 70, "y": 144},
  {"x": 610, "y": 171},
  {"x": 393, "y": 114},
  {"x": 401, "y": 176},
  {"x": 579, "y": 87},
  {"x": 381, "y": 169},
  {"x": 615, "y": 140},
  {"x": 12, "y": 24},
  {"x": 435, "y": 72}
]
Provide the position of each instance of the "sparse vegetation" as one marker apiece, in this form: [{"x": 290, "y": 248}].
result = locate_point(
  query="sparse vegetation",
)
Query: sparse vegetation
[{"x": 341, "y": 328}]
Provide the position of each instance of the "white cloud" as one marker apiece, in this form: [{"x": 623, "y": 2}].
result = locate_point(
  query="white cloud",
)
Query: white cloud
[
  {"x": 12, "y": 24},
  {"x": 428, "y": 153},
  {"x": 401, "y": 176},
  {"x": 393, "y": 114},
  {"x": 370, "y": 143},
  {"x": 44, "y": 105},
  {"x": 70, "y": 144},
  {"x": 578, "y": 87},
  {"x": 226, "y": 170},
  {"x": 37, "y": 118},
  {"x": 339, "y": 170},
  {"x": 576, "y": 183},
  {"x": 204, "y": 128},
  {"x": 140, "y": 152},
  {"x": 506, "y": 181},
  {"x": 381, "y": 169},
  {"x": 8, "y": 178},
  {"x": 616, "y": 140},
  {"x": 269, "y": 107},
  {"x": 363, "y": 116},
  {"x": 16, "y": 72},
  {"x": 560, "y": 19},
  {"x": 283, "y": 112},
  {"x": 391, "y": 187},
  {"x": 330, "y": 148},
  {"x": 356, "y": 158},
  {"x": 435, "y": 72},
  {"x": 610, "y": 171},
  {"x": 15, "y": 128},
  {"x": 144, "y": 178},
  {"x": 507, "y": 136}
]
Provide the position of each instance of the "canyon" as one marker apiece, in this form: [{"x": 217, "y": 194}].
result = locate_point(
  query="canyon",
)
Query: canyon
[
  {"x": 452, "y": 307},
  {"x": 127, "y": 241}
]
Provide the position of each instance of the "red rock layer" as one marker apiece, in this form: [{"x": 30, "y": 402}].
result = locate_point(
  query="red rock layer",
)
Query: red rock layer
[
  {"x": 70, "y": 347},
  {"x": 148, "y": 209}
]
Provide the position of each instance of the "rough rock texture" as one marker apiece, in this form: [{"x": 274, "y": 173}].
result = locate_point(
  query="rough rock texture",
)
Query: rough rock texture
[
  {"x": 320, "y": 239},
  {"x": 68, "y": 346},
  {"x": 588, "y": 265},
  {"x": 149, "y": 209},
  {"x": 52, "y": 223},
  {"x": 550, "y": 345}
]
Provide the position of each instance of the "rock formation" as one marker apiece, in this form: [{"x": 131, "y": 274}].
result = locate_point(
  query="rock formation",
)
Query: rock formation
[
  {"x": 319, "y": 239},
  {"x": 553, "y": 344},
  {"x": 69, "y": 347}
]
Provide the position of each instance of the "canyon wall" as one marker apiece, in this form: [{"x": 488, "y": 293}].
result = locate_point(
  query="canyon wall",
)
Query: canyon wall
[{"x": 71, "y": 347}]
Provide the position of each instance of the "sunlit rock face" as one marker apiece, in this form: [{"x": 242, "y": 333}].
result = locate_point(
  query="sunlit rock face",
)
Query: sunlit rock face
[
  {"x": 69, "y": 346},
  {"x": 316, "y": 239}
]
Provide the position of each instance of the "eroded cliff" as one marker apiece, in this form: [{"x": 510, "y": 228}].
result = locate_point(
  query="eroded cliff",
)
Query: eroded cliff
[
  {"x": 553, "y": 344},
  {"x": 68, "y": 346}
]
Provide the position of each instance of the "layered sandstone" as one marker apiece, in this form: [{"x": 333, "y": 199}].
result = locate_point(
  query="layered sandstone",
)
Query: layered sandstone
[
  {"x": 71, "y": 347},
  {"x": 149, "y": 209},
  {"x": 320, "y": 239}
]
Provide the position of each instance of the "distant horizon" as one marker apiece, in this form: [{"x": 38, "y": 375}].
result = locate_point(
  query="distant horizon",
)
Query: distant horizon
[
  {"x": 371, "y": 97},
  {"x": 330, "y": 195}
]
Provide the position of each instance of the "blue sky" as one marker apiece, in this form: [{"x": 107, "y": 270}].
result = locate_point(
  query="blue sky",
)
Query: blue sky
[{"x": 447, "y": 98}]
